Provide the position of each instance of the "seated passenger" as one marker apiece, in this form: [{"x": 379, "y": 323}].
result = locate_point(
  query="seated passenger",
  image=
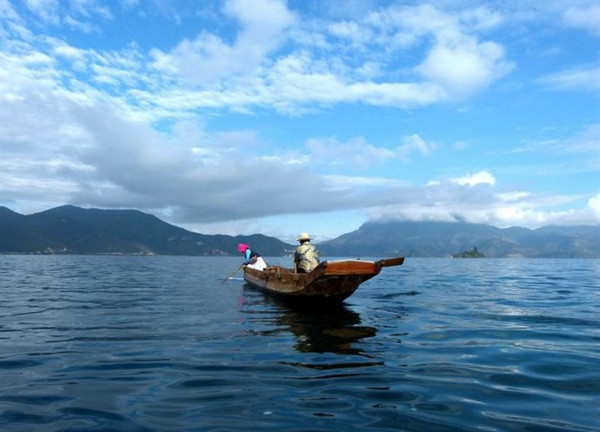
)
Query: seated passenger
[{"x": 306, "y": 257}]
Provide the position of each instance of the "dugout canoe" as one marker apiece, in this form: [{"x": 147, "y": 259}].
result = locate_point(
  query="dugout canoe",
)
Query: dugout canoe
[{"x": 329, "y": 282}]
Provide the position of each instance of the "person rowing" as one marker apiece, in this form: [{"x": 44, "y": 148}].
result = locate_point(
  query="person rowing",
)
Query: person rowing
[{"x": 252, "y": 258}]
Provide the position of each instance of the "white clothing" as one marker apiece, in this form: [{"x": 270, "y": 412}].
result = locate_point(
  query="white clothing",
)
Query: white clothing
[{"x": 260, "y": 264}]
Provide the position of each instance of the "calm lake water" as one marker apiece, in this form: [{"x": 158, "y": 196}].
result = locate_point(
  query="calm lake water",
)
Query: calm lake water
[{"x": 92, "y": 343}]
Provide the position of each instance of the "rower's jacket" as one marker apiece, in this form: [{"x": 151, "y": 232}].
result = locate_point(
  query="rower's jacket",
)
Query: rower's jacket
[{"x": 306, "y": 257}]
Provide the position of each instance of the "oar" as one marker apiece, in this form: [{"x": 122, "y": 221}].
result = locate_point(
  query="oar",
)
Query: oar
[
  {"x": 232, "y": 273},
  {"x": 389, "y": 262}
]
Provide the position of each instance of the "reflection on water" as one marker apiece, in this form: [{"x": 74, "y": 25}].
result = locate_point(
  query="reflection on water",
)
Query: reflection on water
[{"x": 336, "y": 329}]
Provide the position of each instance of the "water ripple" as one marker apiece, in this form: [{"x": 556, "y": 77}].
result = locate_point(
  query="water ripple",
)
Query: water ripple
[{"x": 161, "y": 344}]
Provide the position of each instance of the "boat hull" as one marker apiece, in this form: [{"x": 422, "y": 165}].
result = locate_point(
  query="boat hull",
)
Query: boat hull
[{"x": 330, "y": 282}]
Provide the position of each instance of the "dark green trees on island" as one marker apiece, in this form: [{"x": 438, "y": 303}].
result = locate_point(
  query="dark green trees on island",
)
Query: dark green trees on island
[{"x": 471, "y": 253}]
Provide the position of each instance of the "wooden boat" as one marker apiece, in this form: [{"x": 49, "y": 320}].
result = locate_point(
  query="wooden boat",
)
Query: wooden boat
[{"x": 329, "y": 282}]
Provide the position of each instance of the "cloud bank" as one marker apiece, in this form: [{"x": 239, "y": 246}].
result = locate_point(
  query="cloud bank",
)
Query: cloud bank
[{"x": 129, "y": 125}]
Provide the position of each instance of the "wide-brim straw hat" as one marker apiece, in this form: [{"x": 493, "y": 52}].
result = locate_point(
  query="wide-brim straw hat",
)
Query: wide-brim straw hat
[{"x": 303, "y": 236}]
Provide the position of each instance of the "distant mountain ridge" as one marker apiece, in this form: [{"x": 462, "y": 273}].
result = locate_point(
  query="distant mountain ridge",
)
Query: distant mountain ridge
[
  {"x": 439, "y": 239},
  {"x": 73, "y": 230}
]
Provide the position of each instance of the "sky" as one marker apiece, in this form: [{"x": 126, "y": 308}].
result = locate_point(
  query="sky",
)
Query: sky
[{"x": 274, "y": 117}]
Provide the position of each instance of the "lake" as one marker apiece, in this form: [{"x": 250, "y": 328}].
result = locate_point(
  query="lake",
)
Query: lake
[{"x": 132, "y": 343}]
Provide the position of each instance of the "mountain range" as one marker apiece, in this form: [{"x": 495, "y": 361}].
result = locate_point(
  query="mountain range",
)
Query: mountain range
[
  {"x": 438, "y": 239},
  {"x": 73, "y": 230}
]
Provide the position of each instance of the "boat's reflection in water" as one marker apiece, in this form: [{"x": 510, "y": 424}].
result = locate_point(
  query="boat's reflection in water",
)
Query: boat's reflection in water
[{"x": 335, "y": 329}]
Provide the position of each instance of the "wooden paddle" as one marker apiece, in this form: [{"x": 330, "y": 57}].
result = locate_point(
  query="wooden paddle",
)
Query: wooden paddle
[
  {"x": 232, "y": 273},
  {"x": 389, "y": 262}
]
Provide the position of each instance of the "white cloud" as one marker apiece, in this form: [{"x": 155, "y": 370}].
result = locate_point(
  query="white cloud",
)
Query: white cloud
[
  {"x": 358, "y": 154},
  {"x": 321, "y": 70},
  {"x": 579, "y": 153},
  {"x": 480, "y": 178},
  {"x": 448, "y": 200},
  {"x": 466, "y": 67},
  {"x": 585, "y": 17},
  {"x": 202, "y": 61},
  {"x": 81, "y": 15},
  {"x": 46, "y": 10},
  {"x": 586, "y": 141},
  {"x": 354, "y": 154},
  {"x": 262, "y": 19},
  {"x": 341, "y": 182},
  {"x": 208, "y": 59},
  {"x": 413, "y": 143},
  {"x": 513, "y": 196},
  {"x": 82, "y": 26},
  {"x": 147, "y": 127},
  {"x": 402, "y": 95},
  {"x": 481, "y": 18},
  {"x": 91, "y": 9},
  {"x": 594, "y": 206},
  {"x": 581, "y": 78},
  {"x": 530, "y": 214}
]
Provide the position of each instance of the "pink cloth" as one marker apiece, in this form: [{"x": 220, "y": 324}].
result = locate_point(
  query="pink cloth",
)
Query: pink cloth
[{"x": 242, "y": 247}]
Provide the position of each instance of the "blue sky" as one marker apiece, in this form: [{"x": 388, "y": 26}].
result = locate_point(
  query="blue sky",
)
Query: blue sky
[{"x": 273, "y": 117}]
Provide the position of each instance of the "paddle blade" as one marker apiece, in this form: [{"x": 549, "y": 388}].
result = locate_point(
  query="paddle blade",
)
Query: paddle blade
[{"x": 231, "y": 274}]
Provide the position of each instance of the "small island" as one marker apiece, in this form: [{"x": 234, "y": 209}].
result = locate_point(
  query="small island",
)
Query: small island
[{"x": 471, "y": 253}]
